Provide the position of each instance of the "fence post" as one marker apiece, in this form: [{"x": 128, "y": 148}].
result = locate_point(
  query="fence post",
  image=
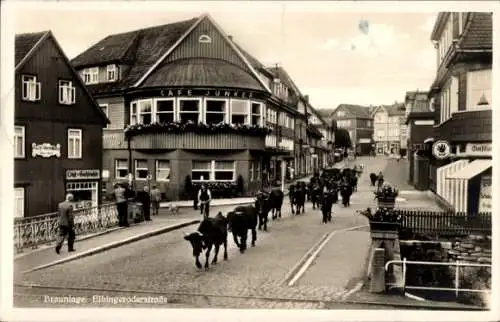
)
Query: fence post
[
  {"x": 457, "y": 279},
  {"x": 404, "y": 274}
]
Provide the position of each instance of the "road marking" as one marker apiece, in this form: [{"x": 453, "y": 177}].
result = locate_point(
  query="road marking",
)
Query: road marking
[{"x": 316, "y": 252}]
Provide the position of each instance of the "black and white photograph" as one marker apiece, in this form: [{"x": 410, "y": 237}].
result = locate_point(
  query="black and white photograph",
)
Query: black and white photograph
[{"x": 305, "y": 156}]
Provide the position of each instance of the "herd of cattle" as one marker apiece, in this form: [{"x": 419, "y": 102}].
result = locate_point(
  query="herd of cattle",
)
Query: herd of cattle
[{"x": 322, "y": 191}]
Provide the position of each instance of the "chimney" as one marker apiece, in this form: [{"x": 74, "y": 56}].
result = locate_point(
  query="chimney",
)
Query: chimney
[
  {"x": 230, "y": 37},
  {"x": 306, "y": 98}
]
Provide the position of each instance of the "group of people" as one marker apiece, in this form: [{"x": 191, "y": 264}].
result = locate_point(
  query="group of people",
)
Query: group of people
[{"x": 377, "y": 179}]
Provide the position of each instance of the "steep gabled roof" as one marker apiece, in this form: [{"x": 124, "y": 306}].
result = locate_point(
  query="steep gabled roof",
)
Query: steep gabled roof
[
  {"x": 357, "y": 111},
  {"x": 396, "y": 109},
  {"x": 478, "y": 31},
  {"x": 26, "y": 44},
  {"x": 282, "y": 74}
]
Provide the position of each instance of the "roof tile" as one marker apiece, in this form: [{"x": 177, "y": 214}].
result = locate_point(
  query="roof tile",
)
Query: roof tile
[
  {"x": 480, "y": 32},
  {"x": 24, "y": 43}
]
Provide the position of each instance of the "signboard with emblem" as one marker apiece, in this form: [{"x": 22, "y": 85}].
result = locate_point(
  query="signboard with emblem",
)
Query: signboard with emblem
[
  {"x": 45, "y": 150},
  {"x": 485, "y": 194},
  {"x": 84, "y": 174},
  {"x": 441, "y": 149}
]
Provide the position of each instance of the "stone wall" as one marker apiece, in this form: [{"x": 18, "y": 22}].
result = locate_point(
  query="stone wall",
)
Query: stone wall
[{"x": 472, "y": 249}]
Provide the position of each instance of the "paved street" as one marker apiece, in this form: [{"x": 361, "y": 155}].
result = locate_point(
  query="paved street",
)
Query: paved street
[{"x": 163, "y": 265}]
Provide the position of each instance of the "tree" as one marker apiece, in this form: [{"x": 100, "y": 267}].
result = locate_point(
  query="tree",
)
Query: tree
[{"x": 342, "y": 138}]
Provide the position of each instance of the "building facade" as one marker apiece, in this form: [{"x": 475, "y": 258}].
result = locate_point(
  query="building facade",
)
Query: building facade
[
  {"x": 420, "y": 122},
  {"x": 58, "y": 130},
  {"x": 324, "y": 147},
  {"x": 461, "y": 94},
  {"x": 389, "y": 129},
  {"x": 358, "y": 121}
]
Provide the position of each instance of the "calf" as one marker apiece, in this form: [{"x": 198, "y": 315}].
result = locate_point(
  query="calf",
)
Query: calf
[
  {"x": 240, "y": 220},
  {"x": 211, "y": 231}
]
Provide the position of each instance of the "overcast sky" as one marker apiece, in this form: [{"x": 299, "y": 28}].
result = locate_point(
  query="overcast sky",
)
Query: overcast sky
[{"x": 324, "y": 51}]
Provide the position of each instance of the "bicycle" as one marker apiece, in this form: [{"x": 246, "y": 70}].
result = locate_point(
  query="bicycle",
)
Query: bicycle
[{"x": 204, "y": 208}]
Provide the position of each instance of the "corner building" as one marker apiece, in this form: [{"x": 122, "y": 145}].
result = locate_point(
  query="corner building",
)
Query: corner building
[{"x": 185, "y": 105}]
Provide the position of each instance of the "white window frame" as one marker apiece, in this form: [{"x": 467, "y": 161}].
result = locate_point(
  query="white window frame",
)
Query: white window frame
[
  {"x": 77, "y": 138},
  {"x": 136, "y": 169},
  {"x": 178, "y": 109},
  {"x": 252, "y": 171},
  {"x": 247, "y": 112},
  {"x": 340, "y": 113},
  {"x": 117, "y": 168},
  {"x": 112, "y": 70},
  {"x": 261, "y": 112},
  {"x": 472, "y": 80},
  {"x": 67, "y": 92},
  {"x": 133, "y": 113},
  {"x": 33, "y": 91},
  {"x": 212, "y": 171},
  {"x": 105, "y": 108},
  {"x": 23, "y": 136},
  {"x": 155, "y": 108},
  {"x": 158, "y": 169},
  {"x": 138, "y": 110},
  {"x": 226, "y": 109},
  {"x": 19, "y": 200},
  {"x": 92, "y": 74}
]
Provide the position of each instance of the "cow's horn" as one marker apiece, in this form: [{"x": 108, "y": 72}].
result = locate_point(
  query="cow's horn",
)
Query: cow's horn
[{"x": 199, "y": 233}]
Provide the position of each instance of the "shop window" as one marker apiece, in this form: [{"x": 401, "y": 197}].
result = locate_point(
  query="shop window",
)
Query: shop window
[
  {"x": 189, "y": 110},
  {"x": 213, "y": 171},
  {"x": 145, "y": 111},
  {"x": 239, "y": 111},
  {"x": 121, "y": 169},
  {"x": 162, "y": 170},
  {"x": 201, "y": 170},
  {"x": 19, "y": 202},
  {"x": 224, "y": 170},
  {"x": 74, "y": 144},
  {"x": 85, "y": 194},
  {"x": 31, "y": 89},
  {"x": 67, "y": 92},
  {"x": 215, "y": 111},
  {"x": 165, "y": 111},
  {"x": 256, "y": 113},
  {"x": 19, "y": 141},
  {"x": 141, "y": 169}
]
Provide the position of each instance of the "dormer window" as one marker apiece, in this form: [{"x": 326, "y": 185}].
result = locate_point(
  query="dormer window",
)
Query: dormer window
[
  {"x": 66, "y": 92},
  {"x": 30, "y": 88},
  {"x": 112, "y": 73},
  {"x": 204, "y": 39},
  {"x": 90, "y": 75}
]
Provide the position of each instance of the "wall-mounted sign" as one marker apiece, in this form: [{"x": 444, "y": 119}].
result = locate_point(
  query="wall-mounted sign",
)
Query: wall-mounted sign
[
  {"x": 479, "y": 148},
  {"x": 83, "y": 174},
  {"x": 485, "y": 194},
  {"x": 441, "y": 149},
  {"x": 423, "y": 122},
  {"x": 365, "y": 140},
  {"x": 206, "y": 92},
  {"x": 45, "y": 150}
]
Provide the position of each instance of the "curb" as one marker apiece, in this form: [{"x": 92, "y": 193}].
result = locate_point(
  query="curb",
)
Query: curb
[
  {"x": 417, "y": 305},
  {"x": 166, "y": 204},
  {"x": 115, "y": 244}
]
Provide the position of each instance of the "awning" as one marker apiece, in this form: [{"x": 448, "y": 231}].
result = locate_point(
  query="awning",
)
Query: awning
[
  {"x": 472, "y": 169},
  {"x": 429, "y": 140}
]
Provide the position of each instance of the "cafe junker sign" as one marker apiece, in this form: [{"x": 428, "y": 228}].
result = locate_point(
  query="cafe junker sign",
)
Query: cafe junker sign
[
  {"x": 45, "y": 150},
  {"x": 478, "y": 148},
  {"x": 83, "y": 174},
  {"x": 206, "y": 92}
]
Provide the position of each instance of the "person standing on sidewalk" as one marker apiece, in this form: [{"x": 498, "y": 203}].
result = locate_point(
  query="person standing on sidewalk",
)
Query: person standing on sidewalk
[
  {"x": 66, "y": 224},
  {"x": 155, "y": 200},
  {"x": 121, "y": 205},
  {"x": 204, "y": 197},
  {"x": 144, "y": 198}
]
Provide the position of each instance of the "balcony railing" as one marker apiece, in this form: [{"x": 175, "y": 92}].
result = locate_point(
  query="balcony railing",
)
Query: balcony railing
[{"x": 37, "y": 230}]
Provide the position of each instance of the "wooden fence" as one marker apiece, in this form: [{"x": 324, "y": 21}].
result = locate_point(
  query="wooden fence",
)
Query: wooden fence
[{"x": 445, "y": 223}]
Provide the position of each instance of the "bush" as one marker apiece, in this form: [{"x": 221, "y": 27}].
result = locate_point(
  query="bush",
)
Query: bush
[
  {"x": 240, "y": 183},
  {"x": 220, "y": 189},
  {"x": 474, "y": 278}
]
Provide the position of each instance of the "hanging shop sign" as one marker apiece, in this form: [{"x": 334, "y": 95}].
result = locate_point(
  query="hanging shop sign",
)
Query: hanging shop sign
[
  {"x": 479, "y": 148},
  {"x": 84, "y": 174},
  {"x": 485, "y": 194},
  {"x": 45, "y": 150},
  {"x": 441, "y": 149}
]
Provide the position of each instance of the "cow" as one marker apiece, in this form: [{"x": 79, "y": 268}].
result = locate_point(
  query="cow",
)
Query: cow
[
  {"x": 354, "y": 183},
  {"x": 276, "y": 198},
  {"x": 346, "y": 192},
  {"x": 211, "y": 231},
  {"x": 298, "y": 197},
  {"x": 263, "y": 206},
  {"x": 240, "y": 220},
  {"x": 326, "y": 205},
  {"x": 373, "y": 178}
]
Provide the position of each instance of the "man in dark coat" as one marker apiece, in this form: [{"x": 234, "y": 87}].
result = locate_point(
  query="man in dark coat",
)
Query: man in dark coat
[
  {"x": 145, "y": 199},
  {"x": 204, "y": 198},
  {"x": 121, "y": 205},
  {"x": 66, "y": 224}
]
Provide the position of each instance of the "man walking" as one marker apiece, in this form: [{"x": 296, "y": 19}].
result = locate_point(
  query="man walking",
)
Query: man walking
[
  {"x": 155, "y": 200},
  {"x": 66, "y": 224},
  {"x": 121, "y": 205},
  {"x": 144, "y": 198},
  {"x": 204, "y": 197}
]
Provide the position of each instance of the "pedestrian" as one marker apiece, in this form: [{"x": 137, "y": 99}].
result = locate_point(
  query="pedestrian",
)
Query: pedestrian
[
  {"x": 144, "y": 198},
  {"x": 121, "y": 205},
  {"x": 204, "y": 198},
  {"x": 380, "y": 179},
  {"x": 155, "y": 200},
  {"x": 66, "y": 224}
]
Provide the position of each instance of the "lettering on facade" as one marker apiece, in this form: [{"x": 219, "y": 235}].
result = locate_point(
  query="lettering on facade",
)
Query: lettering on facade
[
  {"x": 478, "y": 149},
  {"x": 78, "y": 174},
  {"x": 45, "y": 150},
  {"x": 205, "y": 92},
  {"x": 441, "y": 149},
  {"x": 485, "y": 194}
]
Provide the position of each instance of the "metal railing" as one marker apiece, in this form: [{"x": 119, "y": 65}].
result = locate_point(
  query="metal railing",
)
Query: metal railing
[
  {"x": 457, "y": 265},
  {"x": 37, "y": 230}
]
